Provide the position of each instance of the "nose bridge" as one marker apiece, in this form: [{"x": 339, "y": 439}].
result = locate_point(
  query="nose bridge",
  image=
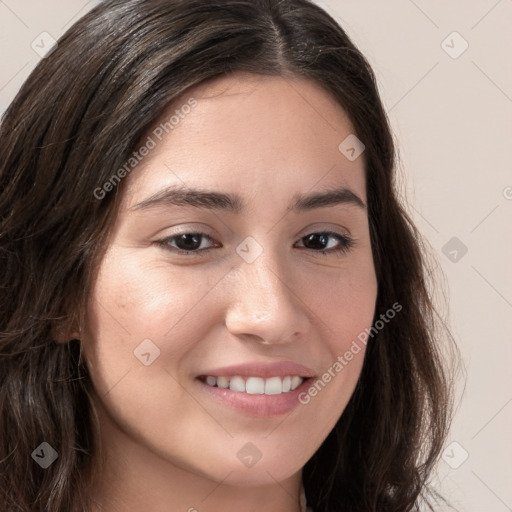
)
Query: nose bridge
[
  {"x": 265, "y": 289},
  {"x": 264, "y": 302}
]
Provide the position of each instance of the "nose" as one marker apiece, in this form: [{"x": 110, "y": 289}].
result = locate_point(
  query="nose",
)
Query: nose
[{"x": 267, "y": 304}]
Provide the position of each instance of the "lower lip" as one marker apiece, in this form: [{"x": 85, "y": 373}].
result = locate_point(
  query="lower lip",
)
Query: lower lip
[{"x": 262, "y": 406}]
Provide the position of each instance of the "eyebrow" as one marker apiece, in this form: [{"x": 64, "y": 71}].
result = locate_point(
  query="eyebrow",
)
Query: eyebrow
[{"x": 212, "y": 200}]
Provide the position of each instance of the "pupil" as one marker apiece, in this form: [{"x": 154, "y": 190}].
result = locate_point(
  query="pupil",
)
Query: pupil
[
  {"x": 189, "y": 242},
  {"x": 318, "y": 237}
]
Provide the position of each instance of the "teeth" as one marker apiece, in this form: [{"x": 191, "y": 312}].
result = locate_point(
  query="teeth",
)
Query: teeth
[
  {"x": 296, "y": 381},
  {"x": 256, "y": 385},
  {"x": 273, "y": 386},
  {"x": 222, "y": 382},
  {"x": 237, "y": 384}
]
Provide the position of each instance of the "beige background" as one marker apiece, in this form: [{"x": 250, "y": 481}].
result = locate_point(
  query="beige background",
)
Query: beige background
[{"x": 452, "y": 119}]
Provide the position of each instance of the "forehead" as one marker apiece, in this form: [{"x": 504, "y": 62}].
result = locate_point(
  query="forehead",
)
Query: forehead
[{"x": 249, "y": 132}]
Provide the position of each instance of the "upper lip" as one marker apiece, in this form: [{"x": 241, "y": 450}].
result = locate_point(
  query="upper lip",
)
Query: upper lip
[{"x": 264, "y": 370}]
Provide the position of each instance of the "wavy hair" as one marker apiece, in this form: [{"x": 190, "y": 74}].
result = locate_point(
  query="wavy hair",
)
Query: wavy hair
[{"x": 78, "y": 117}]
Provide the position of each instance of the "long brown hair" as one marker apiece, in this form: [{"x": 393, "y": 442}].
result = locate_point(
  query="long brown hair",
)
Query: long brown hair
[{"x": 75, "y": 121}]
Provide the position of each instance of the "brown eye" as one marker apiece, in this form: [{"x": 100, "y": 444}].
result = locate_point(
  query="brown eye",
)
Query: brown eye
[
  {"x": 186, "y": 243},
  {"x": 321, "y": 242}
]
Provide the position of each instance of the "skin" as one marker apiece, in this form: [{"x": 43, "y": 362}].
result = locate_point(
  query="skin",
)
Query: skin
[{"x": 167, "y": 445}]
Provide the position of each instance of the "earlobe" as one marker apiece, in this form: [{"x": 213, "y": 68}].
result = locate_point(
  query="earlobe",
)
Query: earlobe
[
  {"x": 63, "y": 335},
  {"x": 66, "y": 327}
]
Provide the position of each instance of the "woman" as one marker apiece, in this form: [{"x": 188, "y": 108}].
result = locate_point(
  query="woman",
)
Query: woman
[{"x": 211, "y": 296}]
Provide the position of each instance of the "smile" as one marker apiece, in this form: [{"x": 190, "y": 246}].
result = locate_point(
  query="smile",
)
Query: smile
[
  {"x": 255, "y": 385},
  {"x": 259, "y": 389}
]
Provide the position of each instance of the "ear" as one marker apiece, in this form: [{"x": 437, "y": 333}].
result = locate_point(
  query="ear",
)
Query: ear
[{"x": 65, "y": 331}]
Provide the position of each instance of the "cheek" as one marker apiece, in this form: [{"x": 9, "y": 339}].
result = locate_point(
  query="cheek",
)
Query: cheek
[
  {"x": 345, "y": 306},
  {"x": 139, "y": 308},
  {"x": 343, "y": 300},
  {"x": 134, "y": 301},
  {"x": 134, "y": 297}
]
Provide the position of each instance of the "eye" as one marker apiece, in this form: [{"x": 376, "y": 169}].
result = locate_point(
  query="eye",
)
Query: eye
[
  {"x": 319, "y": 242},
  {"x": 186, "y": 243}
]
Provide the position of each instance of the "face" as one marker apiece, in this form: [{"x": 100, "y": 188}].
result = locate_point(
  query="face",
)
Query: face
[{"x": 207, "y": 310}]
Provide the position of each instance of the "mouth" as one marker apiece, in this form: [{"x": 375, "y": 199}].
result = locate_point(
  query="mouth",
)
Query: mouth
[
  {"x": 254, "y": 385},
  {"x": 259, "y": 390}
]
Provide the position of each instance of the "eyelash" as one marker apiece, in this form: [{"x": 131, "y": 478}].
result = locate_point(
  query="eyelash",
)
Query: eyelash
[{"x": 346, "y": 243}]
